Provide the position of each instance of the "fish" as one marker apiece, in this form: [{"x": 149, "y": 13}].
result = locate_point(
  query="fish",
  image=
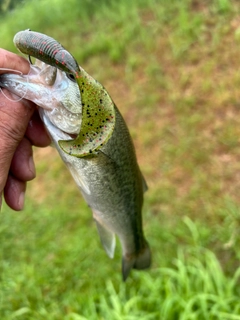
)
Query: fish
[{"x": 93, "y": 140}]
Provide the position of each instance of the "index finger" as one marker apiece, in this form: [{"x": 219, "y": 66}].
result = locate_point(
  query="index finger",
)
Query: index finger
[{"x": 11, "y": 60}]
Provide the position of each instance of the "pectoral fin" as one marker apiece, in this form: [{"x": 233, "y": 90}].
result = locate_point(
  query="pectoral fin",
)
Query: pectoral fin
[{"x": 107, "y": 238}]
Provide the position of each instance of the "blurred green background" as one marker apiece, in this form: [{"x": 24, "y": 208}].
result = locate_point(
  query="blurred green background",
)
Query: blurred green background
[{"x": 172, "y": 68}]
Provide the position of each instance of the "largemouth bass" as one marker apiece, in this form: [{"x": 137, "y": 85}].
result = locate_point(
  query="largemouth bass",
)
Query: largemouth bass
[{"x": 92, "y": 139}]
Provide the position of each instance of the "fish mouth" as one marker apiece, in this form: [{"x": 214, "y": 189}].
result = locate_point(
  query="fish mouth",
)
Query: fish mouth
[
  {"x": 51, "y": 90},
  {"x": 30, "y": 87}
]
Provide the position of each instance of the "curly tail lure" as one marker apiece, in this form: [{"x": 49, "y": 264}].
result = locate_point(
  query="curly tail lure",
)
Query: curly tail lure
[{"x": 98, "y": 114}]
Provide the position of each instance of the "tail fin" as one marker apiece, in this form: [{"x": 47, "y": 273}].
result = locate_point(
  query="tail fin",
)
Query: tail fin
[{"x": 140, "y": 261}]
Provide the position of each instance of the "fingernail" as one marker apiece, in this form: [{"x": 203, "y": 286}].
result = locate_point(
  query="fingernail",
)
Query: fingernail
[
  {"x": 31, "y": 166},
  {"x": 21, "y": 200}
]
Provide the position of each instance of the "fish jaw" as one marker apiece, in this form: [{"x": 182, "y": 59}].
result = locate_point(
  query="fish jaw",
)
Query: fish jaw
[
  {"x": 30, "y": 88},
  {"x": 46, "y": 87},
  {"x": 51, "y": 90},
  {"x": 20, "y": 86}
]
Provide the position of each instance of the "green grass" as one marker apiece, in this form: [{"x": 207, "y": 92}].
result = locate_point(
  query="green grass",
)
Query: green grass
[
  {"x": 51, "y": 272},
  {"x": 172, "y": 67}
]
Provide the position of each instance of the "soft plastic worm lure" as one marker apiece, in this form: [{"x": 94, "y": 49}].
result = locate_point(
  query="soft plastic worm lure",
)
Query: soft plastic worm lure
[{"x": 98, "y": 113}]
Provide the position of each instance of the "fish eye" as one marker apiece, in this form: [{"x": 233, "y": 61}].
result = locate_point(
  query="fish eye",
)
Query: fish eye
[{"x": 71, "y": 77}]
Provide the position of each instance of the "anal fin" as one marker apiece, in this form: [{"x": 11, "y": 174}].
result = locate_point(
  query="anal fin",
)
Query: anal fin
[{"x": 107, "y": 238}]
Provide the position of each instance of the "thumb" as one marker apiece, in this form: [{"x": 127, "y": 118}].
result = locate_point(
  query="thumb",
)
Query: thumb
[{"x": 14, "y": 118}]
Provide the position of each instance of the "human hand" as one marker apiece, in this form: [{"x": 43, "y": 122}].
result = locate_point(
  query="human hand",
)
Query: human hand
[{"x": 20, "y": 129}]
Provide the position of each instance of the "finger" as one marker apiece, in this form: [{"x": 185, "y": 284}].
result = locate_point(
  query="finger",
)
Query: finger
[
  {"x": 14, "y": 193},
  {"x": 11, "y": 60},
  {"x": 22, "y": 166},
  {"x": 14, "y": 118},
  {"x": 36, "y": 132}
]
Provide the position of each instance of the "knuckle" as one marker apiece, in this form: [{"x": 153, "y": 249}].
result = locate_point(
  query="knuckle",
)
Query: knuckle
[
  {"x": 12, "y": 125},
  {"x": 9, "y": 134}
]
